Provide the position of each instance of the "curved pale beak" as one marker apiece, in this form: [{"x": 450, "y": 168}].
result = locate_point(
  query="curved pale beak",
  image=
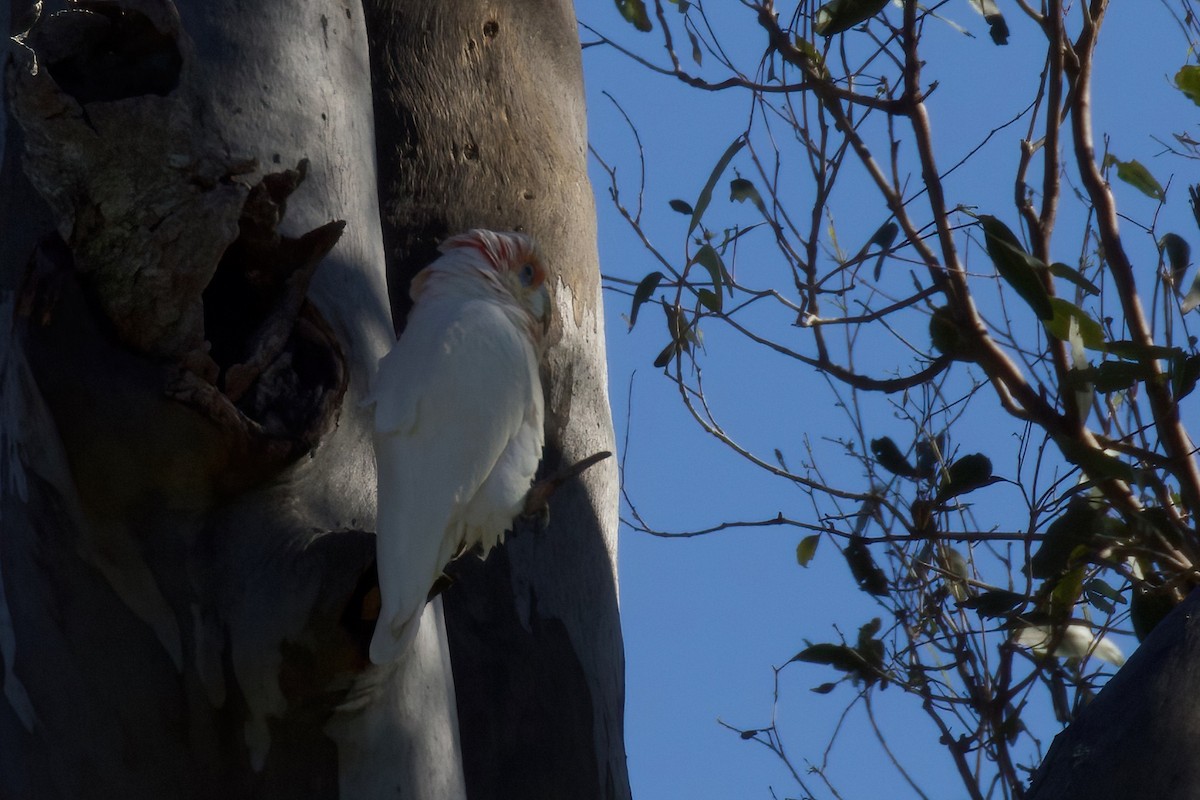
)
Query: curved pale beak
[{"x": 540, "y": 304}]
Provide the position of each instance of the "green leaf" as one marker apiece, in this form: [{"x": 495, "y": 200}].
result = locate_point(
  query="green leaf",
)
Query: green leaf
[
  {"x": 807, "y": 549},
  {"x": 953, "y": 564},
  {"x": 1035, "y": 616},
  {"x": 635, "y": 11},
  {"x": 1147, "y": 607},
  {"x": 1098, "y": 602},
  {"x": 706, "y": 193},
  {"x": 1067, "y": 589},
  {"x": 681, "y": 334},
  {"x": 1188, "y": 81},
  {"x": 1059, "y": 324},
  {"x": 839, "y": 656},
  {"x": 642, "y": 293},
  {"x": 883, "y": 237},
  {"x": 947, "y": 337},
  {"x": 742, "y": 190},
  {"x": 666, "y": 355},
  {"x": 867, "y": 512},
  {"x": 956, "y": 570},
  {"x": 997, "y": 26},
  {"x": 866, "y": 632},
  {"x": 1137, "y": 176},
  {"x": 870, "y": 648},
  {"x": 1020, "y": 270},
  {"x": 1185, "y": 370},
  {"x": 864, "y": 662},
  {"x": 866, "y": 572},
  {"x": 1103, "y": 596},
  {"x": 825, "y": 688},
  {"x": 1113, "y": 376},
  {"x": 965, "y": 475},
  {"x": 697, "y": 53},
  {"x": 709, "y": 300},
  {"x": 682, "y": 206},
  {"x": 710, "y": 259},
  {"x": 810, "y": 51},
  {"x": 1096, "y": 464},
  {"x": 1179, "y": 254},
  {"x": 1153, "y": 522},
  {"x": 890, "y": 458},
  {"x": 928, "y": 453},
  {"x": 842, "y": 15},
  {"x": 1192, "y": 298},
  {"x": 995, "y": 603},
  {"x": 1061, "y": 270},
  {"x": 676, "y": 321},
  {"x": 1132, "y": 351},
  {"x": 1075, "y": 527}
]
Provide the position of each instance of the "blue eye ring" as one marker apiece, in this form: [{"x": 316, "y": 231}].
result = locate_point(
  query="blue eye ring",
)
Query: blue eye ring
[{"x": 527, "y": 274}]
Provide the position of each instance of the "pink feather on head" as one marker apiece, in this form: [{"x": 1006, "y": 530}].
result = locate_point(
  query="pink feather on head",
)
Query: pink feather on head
[
  {"x": 497, "y": 247},
  {"x": 506, "y": 250}
]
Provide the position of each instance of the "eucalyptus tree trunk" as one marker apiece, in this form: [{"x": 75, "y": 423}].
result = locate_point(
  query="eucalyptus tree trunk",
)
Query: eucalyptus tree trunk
[
  {"x": 1136, "y": 738},
  {"x": 194, "y": 289},
  {"x": 480, "y": 122}
]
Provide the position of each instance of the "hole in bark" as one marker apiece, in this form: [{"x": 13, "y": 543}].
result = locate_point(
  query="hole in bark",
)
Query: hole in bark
[
  {"x": 276, "y": 358},
  {"x": 103, "y": 53},
  {"x": 491, "y": 28},
  {"x": 293, "y": 396}
]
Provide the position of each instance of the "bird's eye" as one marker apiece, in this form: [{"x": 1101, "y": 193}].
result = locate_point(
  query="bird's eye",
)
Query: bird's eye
[{"x": 526, "y": 275}]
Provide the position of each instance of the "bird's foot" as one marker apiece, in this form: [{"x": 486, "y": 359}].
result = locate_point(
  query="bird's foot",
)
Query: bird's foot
[{"x": 537, "y": 501}]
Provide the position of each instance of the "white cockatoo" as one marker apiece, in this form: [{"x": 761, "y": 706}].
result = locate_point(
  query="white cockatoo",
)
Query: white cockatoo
[
  {"x": 1078, "y": 641},
  {"x": 458, "y": 419}
]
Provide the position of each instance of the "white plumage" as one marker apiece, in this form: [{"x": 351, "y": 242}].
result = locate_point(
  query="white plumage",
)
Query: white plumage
[
  {"x": 458, "y": 419},
  {"x": 1078, "y": 641}
]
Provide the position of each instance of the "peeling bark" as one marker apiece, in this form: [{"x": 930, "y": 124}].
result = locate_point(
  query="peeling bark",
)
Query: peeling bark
[{"x": 141, "y": 188}]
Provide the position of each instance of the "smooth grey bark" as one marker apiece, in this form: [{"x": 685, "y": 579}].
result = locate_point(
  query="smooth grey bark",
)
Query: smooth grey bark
[
  {"x": 186, "y": 477},
  {"x": 1136, "y": 738},
  {"x": 480, "y": 123}
]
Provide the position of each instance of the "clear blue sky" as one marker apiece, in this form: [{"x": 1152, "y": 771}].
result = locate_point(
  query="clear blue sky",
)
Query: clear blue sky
[{"x": 705, "y": 619}]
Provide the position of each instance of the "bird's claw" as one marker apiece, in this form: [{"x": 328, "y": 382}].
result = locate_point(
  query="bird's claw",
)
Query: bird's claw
[{"x": 537, "y": 501}]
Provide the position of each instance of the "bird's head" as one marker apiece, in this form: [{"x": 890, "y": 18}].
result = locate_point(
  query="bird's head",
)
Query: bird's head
[{"x": 517, "y": 265}]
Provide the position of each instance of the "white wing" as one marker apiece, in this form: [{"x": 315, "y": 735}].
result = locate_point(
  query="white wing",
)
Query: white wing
[
  {"x": 1078, "y": 641},
  {"x": 451, "y": 397}
]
